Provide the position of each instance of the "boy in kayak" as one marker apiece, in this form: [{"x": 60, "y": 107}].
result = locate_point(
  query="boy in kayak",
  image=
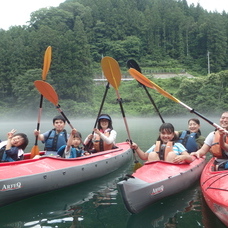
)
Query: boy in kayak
[
  {"x": 72, "y": 149},
  {"x": 166, "y": 147},
  {"x": 13, "y": 148},
  {"x": 54, "y": 138}
]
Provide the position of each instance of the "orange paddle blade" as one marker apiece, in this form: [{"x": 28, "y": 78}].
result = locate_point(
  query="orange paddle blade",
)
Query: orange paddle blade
[
  {"x": 47, "y": 62},
  {"x": 111, "y": 71},
  {"x": 145, "y": 81},
  {"x": 34, "y": 151},
  {"x": 47, "y": 91}
]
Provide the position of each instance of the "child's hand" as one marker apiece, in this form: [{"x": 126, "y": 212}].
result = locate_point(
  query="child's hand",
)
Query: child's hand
[
  {"x": 73, "y": 131},
  {"x": 97, "y": 131},
  {"x": 90, "y": 136},
  {"x": 11, "y": 133},
  {"x": 36, "y": 133}
]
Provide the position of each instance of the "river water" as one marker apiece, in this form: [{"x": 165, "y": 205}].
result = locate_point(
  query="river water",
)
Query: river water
[{"x": 98, "y": 203}]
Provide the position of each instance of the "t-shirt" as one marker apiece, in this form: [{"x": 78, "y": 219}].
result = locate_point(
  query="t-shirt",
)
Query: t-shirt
[{"x": 209, "y": 139}]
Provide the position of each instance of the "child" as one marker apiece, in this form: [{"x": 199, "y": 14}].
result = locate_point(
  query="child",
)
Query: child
[
  {"x": 54, "y": 138},
  {"x": 13, "y": 148},
  {"x": 72, "y": 149},
  {"x": 104, "y": 135},
  {"x": 165, "y": 148}
]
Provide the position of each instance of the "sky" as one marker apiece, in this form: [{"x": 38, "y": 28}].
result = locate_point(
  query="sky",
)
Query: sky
[{"x": 17, "y": 12}]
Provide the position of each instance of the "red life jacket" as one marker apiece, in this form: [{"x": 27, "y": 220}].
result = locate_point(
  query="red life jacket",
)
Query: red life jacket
[
  {"x": 100, "y": 145},
  {"x": 216, "y": 149}
]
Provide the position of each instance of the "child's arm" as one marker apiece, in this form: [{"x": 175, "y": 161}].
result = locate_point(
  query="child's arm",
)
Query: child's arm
[
  {"x": 9, "y": 137},
  {"x": 70, "y": 139}
]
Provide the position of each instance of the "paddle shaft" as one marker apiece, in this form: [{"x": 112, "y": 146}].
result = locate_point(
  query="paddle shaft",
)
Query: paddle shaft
[
  {"x": 133, "y": 64},
  {"x": 152, "y": 101},
  {"x": 99, "y": 113},
  {"x": 39, "y": 117},
  {"x": 102, "y": 104},
  {"x": 62, "y": 113}
]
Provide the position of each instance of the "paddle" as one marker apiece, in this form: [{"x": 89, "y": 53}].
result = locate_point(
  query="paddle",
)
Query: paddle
[
  {"x": 131, "y": 63},
  {"x": 112, "y": 72},
  {"x": 99, "y": 113},
  {"x": 145, "y": 81},
  {"x": 46, "y": 65},
  {"x": 49, "y": 93}
]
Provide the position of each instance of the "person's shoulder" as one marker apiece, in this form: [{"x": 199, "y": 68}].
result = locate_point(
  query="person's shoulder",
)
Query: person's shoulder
[{"x": 47, "y": 132}]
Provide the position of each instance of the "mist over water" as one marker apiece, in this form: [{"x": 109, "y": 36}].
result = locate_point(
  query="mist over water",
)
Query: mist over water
[{"x": 143, "y": 130}]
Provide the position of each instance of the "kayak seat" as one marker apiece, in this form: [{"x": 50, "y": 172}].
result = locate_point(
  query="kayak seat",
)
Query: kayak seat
[{"x": 220, "y": 164}]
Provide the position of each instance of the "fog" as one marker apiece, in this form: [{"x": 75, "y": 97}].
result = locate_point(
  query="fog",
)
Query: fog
[{"x": 143, "y": 130}]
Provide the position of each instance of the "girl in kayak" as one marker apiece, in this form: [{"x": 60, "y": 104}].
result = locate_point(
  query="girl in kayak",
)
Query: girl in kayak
[
  {"x": 13, "y": 148},
  {"x": 72, "y": 149},
  {"x": 166, "y": 147},
  {"x": 104, "y": 136}
]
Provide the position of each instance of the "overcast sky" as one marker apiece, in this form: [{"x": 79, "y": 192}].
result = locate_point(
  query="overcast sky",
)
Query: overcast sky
[{"x": 17, "y": 12}]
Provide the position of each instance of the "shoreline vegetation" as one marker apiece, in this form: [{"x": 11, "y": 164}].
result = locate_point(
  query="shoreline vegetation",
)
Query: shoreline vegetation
[{"x": 206, "y": 94}]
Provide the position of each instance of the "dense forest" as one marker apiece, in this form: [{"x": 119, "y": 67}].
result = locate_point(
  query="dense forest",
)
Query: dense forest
[{"x": 161, "y": 35}]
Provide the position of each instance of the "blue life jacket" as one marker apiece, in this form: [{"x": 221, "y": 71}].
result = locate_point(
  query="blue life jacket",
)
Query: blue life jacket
[
  {"x": 189, "y": 141},
  {"x": 7, "y": 158},
  {"x": 55, "y": 141},
  {"x": 74, "y": 153}
]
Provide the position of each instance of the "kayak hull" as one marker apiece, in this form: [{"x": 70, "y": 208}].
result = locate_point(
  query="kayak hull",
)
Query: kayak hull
[
  {"x": 214, "y": 185},
  {"x": 157, "y": 180},
  {"x": 22, "y": 179}
]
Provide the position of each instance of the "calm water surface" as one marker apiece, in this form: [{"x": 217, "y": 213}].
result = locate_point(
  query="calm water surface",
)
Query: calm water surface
[{"x": 98, "y": 203}]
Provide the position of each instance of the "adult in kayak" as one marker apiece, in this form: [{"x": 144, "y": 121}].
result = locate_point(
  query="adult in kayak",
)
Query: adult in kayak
[
  {"x": 191, "y": 138},
  {"x": 166, "y": 147},
  {"x": 104, "y": 136},
  {"x": 211, "y": 143}
]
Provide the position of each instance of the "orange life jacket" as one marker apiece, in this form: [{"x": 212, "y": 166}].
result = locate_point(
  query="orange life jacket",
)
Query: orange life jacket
[
  {"x": 161, "y": 152},
  {"x": 100, "y": 145},
  {"x": 216, "y": 149}
]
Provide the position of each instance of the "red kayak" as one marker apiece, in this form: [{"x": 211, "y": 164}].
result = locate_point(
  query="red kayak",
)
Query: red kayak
[
  {"x": 214, "y": 185},
  {"x": 22, "y": 179}
]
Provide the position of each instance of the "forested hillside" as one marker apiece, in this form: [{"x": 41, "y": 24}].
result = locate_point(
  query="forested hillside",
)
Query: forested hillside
[{"x": 158, "y": 34}]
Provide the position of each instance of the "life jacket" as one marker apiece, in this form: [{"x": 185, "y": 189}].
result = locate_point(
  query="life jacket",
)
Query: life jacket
[
  {"x": 216, "y": 149},
  {"x": 6, "y": 158},
  {"x": 100, "y": 145},
  {"x": 55, "y": 141},
  {"x": 163, "y": 151},
  {"x": 189, "y": 141},
  {"x": 76, "y": 152}
]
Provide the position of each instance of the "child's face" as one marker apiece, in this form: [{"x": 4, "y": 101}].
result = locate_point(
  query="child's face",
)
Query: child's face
[
  {"x": 59, "y": 125},
  {"x": 104, "y": 123},
  {"x": 76, "y": 142},
  {"x": 17, "y": 141},
  {"x": 166, "y": 136}
]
